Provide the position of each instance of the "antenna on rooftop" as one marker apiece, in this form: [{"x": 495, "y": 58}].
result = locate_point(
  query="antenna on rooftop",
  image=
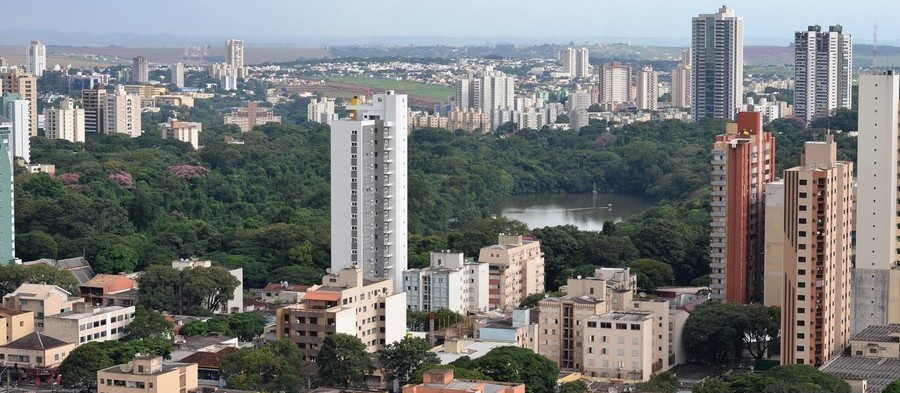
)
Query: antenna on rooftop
[{"x": 875, "y": 48}]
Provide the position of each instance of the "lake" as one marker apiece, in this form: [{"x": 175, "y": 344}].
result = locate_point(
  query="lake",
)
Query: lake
[{"x": 585, "y": 211}]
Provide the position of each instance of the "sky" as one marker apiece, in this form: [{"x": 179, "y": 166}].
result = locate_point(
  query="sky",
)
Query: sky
[{"x": 765, "y": 21}]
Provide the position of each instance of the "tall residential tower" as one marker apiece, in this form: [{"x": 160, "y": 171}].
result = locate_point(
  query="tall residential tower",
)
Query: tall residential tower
[
  {"x": 823, "y": 71},
  {"x": 369, "y": 188},
  {"x": 682, "y": 82},
  {"x": 743, "y": 162},
  {"x": 140, "y": 70},
  {"x": 36, "y": 58},
  {"x": 234, "y": 56},
  {"x": 717, "y": 46}
]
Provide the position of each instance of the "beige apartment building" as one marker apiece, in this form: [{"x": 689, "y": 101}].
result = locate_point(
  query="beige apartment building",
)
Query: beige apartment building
[
  {"x": 469, "y": 119},
  {"x": 145, "y": 91},
  {"x": 38, "y": 356},
  {"x": 251, "y": 116},
  {"x": 184, "y": 131},
  {"x": 619, "y": 345},
  {"x": 148, "y": 374},
  {"x": 561, "y": 321},
  {"x": 16, "y": 323},
  {"x": 427, "y": 120},
  {"x": 16, "y": 80},
  {"x": 349, "y": 303},
  {"x": 87, "y": 324},
  {"x": 516, "y": 270},
  {"x": 66, "y": 122},
  {"x": 122, "y": 113},
  {"x": 817, "y": 200},
  {"x": 41, "y": 299}
]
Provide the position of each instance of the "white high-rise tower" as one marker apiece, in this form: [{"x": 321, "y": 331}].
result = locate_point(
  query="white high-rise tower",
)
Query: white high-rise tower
[
  {"x": 369, "y": 188},
  {"x": 876, "y": 275},
  {"x": 582, "y": 63},
  {"x": 234, "y": 56},
  {"x": 36, "y": 58},
  {"x": 823, "y": 71},
  {"x": 569, "y": 62},
  {"x": 718, "y": 64}
]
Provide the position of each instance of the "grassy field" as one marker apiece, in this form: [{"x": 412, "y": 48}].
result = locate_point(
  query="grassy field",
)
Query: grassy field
[{"x": 435, "y": 93}]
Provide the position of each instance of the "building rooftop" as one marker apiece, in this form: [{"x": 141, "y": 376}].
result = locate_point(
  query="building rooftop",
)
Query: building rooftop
[
  {"x": 4, "y": 312},
  {"x": 584, "y": 299},
  {"x": 879, "y": 333},
  {"x": 277, "y": 287},
  {"x": 79, "y": 267},
  {"x": 878, "y": 372},
  {"x": 38, "y": 291},
  {"x": 90, "y": 311},
  {"x": 209, "y": 359},
  {"x": 121, "y": 369},
  {"x": 473, "y": 349},
  {"x": 36, "y": 342},
  {"x": 625, "y": 315}
]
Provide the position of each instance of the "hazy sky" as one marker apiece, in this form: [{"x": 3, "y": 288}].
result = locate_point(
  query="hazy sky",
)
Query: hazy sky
[{"x": 454, "y": 18}]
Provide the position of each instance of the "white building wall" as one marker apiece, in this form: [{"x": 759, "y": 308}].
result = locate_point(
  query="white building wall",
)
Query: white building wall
[
  {"x": 19, "y": 113},
  {"x": 478, "y": 286},
  {"x": 394, "y": 328}
]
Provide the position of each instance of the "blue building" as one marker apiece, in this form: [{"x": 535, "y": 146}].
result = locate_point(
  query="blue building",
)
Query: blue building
[{"x": 7, "y": 216}]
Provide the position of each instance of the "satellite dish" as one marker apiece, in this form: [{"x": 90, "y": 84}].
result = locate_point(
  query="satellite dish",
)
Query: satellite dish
[
  {"x": 126, "y": 368},
  {"x": 328, "y": 270}
]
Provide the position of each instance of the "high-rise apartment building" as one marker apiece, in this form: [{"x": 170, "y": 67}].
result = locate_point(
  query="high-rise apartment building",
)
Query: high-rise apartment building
[
  {"x": 582, "y": 63},
  {"x": 321, "y": 110},
  {"x": 177, "y": 75},
  {"x": 450, "y": 283},
  {"x": 122, "y": 113},
  {"x": 18, "y": 111},
  {"x": 7, "y": 201},
  {"x": 615, "y": 83},
  {"x": 718, "y": 64},
  {"x": 516, "y": 270},
  {"x": 36, "y": 58},
  {"x": 347, "y": 302},
  {"x": 184, "y": 131},
  {"x": 140, "y": 70},
  {"x": 743, "y": 162},
  {"x": 876, "y": 275},
  {"x": 815, "y": 234},
  {"x": 67, "y": 122},
  {"x": 369, "y": 188},
  {"x": 15, "y": 80},
  {"x": 682, "y": 82},
  {"x": 823, "y": 71},
  {"x": 234, "y": 56},
  {"x": 647, "y": 89},
  {"x": 93, "y": 101},
  {"x": 569, "y": 61}
]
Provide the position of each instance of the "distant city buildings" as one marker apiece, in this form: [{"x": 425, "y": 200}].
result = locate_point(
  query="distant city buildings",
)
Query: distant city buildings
[
  {"x": 67, "y": 122},
  {"x": 808, "y": 254},
  {"x": 823, "y": 71},
  {"x": 184, "y": 131},
  {"x": 683, "y": 82},
  {"x": 369, "y": 188},
  {"x": 251, "y": 116},
  {"x": 516, "y": 270},
  {"x": 36, "y": 58},
  {"x": 121, "y": 113},
  {"x": 743, "y": 162},
  {"x": 321, "y": 110},
  {"x": 615, "y": 83},
  {"x": 647, "y": 89},
  {"x": 450, "y": 283},
  {"x": 177, "y": 75},
  {"x": 93, "y": 100},
  {"x": 718, "y": 64},
  {"x": 576, "y": 62},
  {"x": 487, "y": 92},
  {"x": 140, "y": 70}
]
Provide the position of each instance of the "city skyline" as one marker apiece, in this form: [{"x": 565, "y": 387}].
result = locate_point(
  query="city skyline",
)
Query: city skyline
[{"x": 401, "y": 22}]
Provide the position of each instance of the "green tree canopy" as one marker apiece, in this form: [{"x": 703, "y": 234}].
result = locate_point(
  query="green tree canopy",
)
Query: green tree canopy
[
  {"x": 573, "y": 387},
  {"x": 247, "y": 326},
  {"x": 274, "y": 367},
  {"x": 343, "y": 362},
  {"x": 400, "y": 359},
  {"x": 79, "y": 368},
  {"x": 12, "y": 276},
  {"x": 658, "y": 274},
  {"x": 893, "y": 387},
  {"x": 159, "y": 288},
  {"x": 116, "y": 259},
  {"x": 515, "y": 364},
  {"x": 148, "y": 324}
]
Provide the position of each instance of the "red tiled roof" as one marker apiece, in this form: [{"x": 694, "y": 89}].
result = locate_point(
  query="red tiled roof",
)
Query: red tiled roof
[
  {"x": 276, "y": 287},
  {"x": 322, "y": 295},
  {"x": 209, "y": 359}
]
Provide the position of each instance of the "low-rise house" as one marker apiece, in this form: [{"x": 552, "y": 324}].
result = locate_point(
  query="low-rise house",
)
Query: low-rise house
[
  {"x": 520, "y": 329},
  {"x": 41, "y": 299},
  {"x": 38, "y": 356},
  {"x": 87, "y": 324},
  {"x": 16, "y": 324},
  {"x": 209, "y": 365},
  {"x": 110, "y": 290},
  {"x": 186, "y": 346},
  {"x": 79, "y": 267},
  {"x": 443, "y": 381},
  {"x": 148, "y": 374},
  {"x": 284, "y": 293}
]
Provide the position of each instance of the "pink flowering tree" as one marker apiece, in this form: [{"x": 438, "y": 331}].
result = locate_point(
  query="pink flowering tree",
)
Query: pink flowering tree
[
  {"x": 123, "y": 179},
  {"x": 188, "y": 172},
  {"x": 70, "y": 180}
]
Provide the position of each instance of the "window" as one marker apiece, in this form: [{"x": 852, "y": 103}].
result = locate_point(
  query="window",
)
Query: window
[
  {"x": 621, "y": 326},
  {"x": 591, "y": 324},
  {"x": 635, "y": 326}
]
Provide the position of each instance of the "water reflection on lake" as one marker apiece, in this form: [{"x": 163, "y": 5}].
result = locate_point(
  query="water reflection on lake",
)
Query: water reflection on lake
[{"x": 585, "y": 211}]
